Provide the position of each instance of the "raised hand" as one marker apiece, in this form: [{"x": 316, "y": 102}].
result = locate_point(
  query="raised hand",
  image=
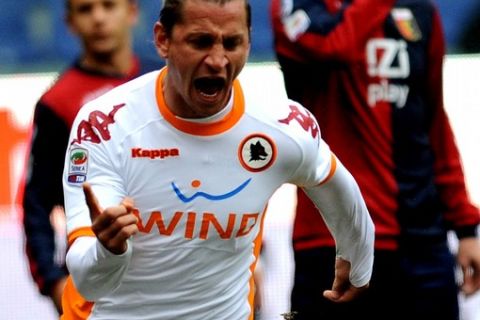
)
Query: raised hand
[{"x": 114, "y": 225}]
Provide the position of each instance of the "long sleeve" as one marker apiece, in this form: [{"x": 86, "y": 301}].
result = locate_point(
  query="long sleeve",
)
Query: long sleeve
[
  {"x": 43, "y": 191},
  {"x": 345, "y": 213},
  {"x": 342, "y": 37},
  {"x": 449, "y": 177},
  {"x": 96, "y": 271}
]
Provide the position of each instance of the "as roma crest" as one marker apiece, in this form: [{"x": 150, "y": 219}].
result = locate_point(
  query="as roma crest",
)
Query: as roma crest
[{"x": 257, "y": 152}]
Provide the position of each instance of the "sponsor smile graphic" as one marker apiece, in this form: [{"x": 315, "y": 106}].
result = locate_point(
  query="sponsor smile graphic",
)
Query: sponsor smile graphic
[{"x": 197, "y": 184}]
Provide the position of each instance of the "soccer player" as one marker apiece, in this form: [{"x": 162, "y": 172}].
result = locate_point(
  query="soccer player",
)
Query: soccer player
[
  {"x": 167, "y": 179},
  {"x": 104, "y": 29},
  {"x": 371, "y": 73}
]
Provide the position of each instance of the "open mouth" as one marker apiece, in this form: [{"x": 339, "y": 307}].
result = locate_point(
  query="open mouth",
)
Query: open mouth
[{"x": 209, "y": 87}]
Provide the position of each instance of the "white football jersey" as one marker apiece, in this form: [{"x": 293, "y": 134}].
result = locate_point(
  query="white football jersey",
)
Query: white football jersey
[{"x": 200, "y": 191}]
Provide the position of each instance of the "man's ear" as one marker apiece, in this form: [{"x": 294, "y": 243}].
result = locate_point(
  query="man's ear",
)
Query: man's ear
[
  {"x": 162, "y": 41},
  {"x": 133, "y": 12}
]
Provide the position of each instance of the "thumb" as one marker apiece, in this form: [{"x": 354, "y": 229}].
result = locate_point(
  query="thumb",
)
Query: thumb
[
  {"x": 92, "y": 202},
  {"x": 331, "y": 295},
  {"x": 128, "y": 203}
]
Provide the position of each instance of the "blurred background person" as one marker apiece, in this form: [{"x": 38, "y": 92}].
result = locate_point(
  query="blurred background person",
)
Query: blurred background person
[
  {"x": 104, "y": 28},
  {"x": 372, "y": 70}
]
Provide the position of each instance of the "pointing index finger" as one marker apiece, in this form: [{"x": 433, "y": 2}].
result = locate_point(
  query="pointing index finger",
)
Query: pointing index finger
[{"x": 92, "y": 202}]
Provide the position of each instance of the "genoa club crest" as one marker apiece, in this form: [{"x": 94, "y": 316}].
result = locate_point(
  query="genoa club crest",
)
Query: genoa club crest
[{"x": 406, "y": 24}]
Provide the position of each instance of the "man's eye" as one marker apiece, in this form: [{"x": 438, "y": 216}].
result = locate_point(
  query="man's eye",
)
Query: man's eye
[
  {"x": 109, "y": 4},
  {"x": 231, "y": 44},
  {"x": 202, "y": 42},
  {"x": 85, "y": 8}
]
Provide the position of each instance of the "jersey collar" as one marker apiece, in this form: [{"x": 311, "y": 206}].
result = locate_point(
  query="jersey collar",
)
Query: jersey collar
[{"x": 198, "y": 128}]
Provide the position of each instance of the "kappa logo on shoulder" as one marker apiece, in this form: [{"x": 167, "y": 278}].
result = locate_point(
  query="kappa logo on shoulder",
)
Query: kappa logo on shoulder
[
  {"x": 99, "y": 121},
  {"x": 304, "y": 119},
  {"x": 154, "y": 153}
]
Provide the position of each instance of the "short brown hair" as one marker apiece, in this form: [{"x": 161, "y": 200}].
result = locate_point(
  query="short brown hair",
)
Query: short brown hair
[
  {"x": 171, "y": 13},
  {"x": 68, "y": 5}
]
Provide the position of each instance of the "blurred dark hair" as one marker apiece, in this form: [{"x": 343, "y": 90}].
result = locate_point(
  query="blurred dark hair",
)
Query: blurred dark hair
[
  {"x": 68, "y": 5},
  {"x": 171, "y": 13}
]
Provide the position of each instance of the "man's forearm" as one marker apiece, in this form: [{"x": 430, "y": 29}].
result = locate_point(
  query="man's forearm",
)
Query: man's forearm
[
  {"x": 96, "y": 271},
  {"x": 346, "y": 215}
]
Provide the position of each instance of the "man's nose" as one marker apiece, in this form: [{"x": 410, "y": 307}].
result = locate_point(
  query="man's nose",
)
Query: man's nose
[
  {"x": 217, "y": 57},
  {"x": 99, "y": 13}
]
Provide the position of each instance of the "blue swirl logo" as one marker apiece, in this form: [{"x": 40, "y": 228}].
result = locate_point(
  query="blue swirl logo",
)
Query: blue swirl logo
[{"x": 213, "y": 197}]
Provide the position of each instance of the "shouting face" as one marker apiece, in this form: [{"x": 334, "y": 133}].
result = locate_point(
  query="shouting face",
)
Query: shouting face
[{"x": 205, "y": 51}]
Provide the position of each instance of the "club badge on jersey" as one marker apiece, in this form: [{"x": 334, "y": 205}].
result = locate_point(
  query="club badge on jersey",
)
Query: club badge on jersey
[
  {"x": 257, "y": 152},
  {"x": 78, "y": 165},
  {"x": 406, "y": 24}
]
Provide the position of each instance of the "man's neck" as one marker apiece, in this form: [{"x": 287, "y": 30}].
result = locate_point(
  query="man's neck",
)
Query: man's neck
[{"x": 116, "y": 63}]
